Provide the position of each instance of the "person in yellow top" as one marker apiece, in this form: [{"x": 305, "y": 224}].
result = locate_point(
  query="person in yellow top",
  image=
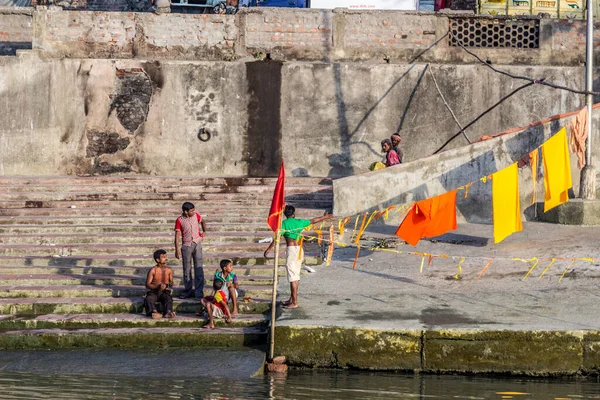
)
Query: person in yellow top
[{"x": 291, "y": 230}]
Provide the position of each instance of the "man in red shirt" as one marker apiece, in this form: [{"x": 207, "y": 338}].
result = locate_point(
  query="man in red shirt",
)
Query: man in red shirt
[{"x": 188, "y": 247}]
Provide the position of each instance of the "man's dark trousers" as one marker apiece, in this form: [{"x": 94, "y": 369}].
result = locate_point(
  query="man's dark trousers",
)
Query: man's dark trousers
[
  {"x": 164, "y": 298},
  {"x": 192, "y": 254}
]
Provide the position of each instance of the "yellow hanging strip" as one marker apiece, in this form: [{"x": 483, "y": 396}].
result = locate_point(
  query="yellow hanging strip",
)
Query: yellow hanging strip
[
  {"x": 547, "y": 268},
  {"x": 356, "y": 258},
  {"x": 331, "y": 245},
  {"x": 466, "y": 187},
  {"x": 459, "y": 268},
  {"x": 300, "y": 244},
  {"x": 362, "y": 225},
  {"x": 342, "y": 225},
  {"x": 485, "y": 268},
  {"x": 532, "y": 267},
  {"x": 355, "y": 226},
  {"x": 566, "y": 269},
  {"x": 423, "y": 256},
  {"x": 533, "y": 162}
]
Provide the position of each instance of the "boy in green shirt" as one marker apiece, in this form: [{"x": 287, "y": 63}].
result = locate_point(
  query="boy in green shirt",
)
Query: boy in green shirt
[{"x": 291, "y": 230}]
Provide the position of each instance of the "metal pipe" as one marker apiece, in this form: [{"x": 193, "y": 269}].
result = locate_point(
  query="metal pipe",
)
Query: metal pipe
[{"x": 589, "y": 78}]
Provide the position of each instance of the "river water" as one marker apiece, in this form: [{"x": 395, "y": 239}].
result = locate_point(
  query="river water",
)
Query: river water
[{"x": 213, "y": 375}]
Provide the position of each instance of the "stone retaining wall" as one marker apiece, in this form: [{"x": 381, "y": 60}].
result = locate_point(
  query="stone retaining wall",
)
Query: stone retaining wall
[{"x": 540, "y": 353}]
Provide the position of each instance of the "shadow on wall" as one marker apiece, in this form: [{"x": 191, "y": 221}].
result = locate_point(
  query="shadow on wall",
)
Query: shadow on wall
[
  {"x": 342, "y": 163},
  {"x": 10, "y": 48}
]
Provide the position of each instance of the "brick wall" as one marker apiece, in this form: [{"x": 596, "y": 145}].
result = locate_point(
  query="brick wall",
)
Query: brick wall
[
  {"x": 129, "y": 35},
  {"x": 175, "y": 36},
  {"x": 81, "y": 34},
  {"x": 15, "y": 29},
  {"x": 289, "y": 34},
  {"x": 295, "y": 33},
  {"x": 389, "y": 30}
]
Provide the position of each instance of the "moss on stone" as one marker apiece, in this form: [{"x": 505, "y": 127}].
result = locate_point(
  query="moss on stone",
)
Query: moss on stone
[
  {"x": 515, "y": 352},
  {"x": 349, "y": 347},
  {"x": 130, "y": 340}
]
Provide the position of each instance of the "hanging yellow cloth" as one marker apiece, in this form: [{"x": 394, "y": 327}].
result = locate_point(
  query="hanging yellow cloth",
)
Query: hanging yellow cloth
[
  {"x": 533, "y": 161},
  {"x": 557, "y": 170},
  {"x": 505, "y": 199}
]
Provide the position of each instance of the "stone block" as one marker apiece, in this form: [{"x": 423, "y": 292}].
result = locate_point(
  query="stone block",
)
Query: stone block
[
  {"x": 349, "y": 347},
  {"x": 514, "y": 352},
  {"x": 574, "y": 212}
]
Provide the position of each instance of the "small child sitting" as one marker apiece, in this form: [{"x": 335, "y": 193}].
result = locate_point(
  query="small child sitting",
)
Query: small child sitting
[
  {"x": 230, "y": 283},
  {"x": 216, "y": 306}
]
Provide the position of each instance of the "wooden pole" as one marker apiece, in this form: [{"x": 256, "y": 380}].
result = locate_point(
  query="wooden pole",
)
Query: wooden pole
[{"x": 274, "y": 298}]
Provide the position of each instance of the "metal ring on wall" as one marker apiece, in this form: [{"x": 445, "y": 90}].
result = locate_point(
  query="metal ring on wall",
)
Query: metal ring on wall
[{"x": 204, "y": 135}]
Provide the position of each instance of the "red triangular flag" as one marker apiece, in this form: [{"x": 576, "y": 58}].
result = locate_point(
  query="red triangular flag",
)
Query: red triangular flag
[{"x": 274, "y": 219}]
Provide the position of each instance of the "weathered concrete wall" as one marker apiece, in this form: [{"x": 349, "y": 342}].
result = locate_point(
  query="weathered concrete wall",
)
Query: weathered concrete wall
[
  {"x": 541, "y": 353},
  {"x": 74, "y": 116},
  {"x": 15, "y": 29},
  {"x": 446, "y": 171},
  {"x": 109, "y": 116},
  {"x": 289, "y": 34}
]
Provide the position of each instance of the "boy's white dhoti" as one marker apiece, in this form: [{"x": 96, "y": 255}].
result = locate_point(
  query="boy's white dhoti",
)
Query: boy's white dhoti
[{"x": 293, "y": 263}]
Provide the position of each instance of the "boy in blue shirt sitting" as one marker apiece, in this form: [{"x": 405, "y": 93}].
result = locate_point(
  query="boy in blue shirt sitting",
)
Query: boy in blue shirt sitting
[{"x": 230, "y": 283}]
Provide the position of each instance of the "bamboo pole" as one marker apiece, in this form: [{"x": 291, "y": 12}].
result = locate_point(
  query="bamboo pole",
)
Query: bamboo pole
[{"x": 274, "y": 298}]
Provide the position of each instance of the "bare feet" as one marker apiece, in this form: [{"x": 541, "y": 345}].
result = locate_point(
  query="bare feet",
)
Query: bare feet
[
  {"x": 290, "y": 306},
  {"x": 156, "y": 315},
  {"x": 234, "y": 313},
  {"x": 228, "y": 320},
  {"x": 170, "y": 315},
  {"x": 209, "y": 326},
  {"x": 286, "y": 302}
]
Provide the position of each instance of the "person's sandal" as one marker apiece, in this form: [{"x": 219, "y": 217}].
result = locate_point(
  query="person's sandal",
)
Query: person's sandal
[{"x": 156, "y": 315}]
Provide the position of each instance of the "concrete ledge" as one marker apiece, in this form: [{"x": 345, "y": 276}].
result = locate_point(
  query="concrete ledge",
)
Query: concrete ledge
[
  {"x": 133, "y": 338},
  {"x": 349, "y": 348},
  {"x": 574, "y": 212},
  {"x": 536, "y": 353},
  {"x": 514, "y": 352}
]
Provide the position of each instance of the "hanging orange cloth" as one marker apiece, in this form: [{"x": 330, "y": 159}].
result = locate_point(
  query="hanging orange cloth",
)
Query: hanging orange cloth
[
  {"x": 557, "y": 170},
  {"x": 579, "y": 131},
  {"x": 505, "y": 200},
  {"x": 533, "y": 161},
  {"x": 429, "y": 218}
]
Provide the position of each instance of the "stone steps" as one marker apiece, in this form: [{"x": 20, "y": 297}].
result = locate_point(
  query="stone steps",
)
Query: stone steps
[
  {"x": 245, "y": 281},
  {"x": 84, "y": 249},
  {"x": 88, "y": 321},
  {"x": 75, "y": 252},
  {"x": 31, "y": 306},
  {"x": 168, "y": 189},
  {"x": 142, "y": 260},
  {"x": 129, "y": 208},
  {"x": 148, "y": 338},
  {"x": 259, "y": 229},
  {"x": 232, "y": 198},
  {"x": 241, "y": 271},
  {"x": 103, "y": 289},
  {"x": 18, "y": 180},
  {"x": 211, "y": 220},
  {"x": 44, "y": 238}
]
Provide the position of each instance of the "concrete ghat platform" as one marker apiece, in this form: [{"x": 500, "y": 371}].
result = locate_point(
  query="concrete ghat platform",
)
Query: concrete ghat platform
[{"x": 387, "y": 315}]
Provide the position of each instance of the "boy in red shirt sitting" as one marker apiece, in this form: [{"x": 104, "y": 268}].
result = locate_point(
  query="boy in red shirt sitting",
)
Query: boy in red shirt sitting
[{"x": 216, "y": 306}]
